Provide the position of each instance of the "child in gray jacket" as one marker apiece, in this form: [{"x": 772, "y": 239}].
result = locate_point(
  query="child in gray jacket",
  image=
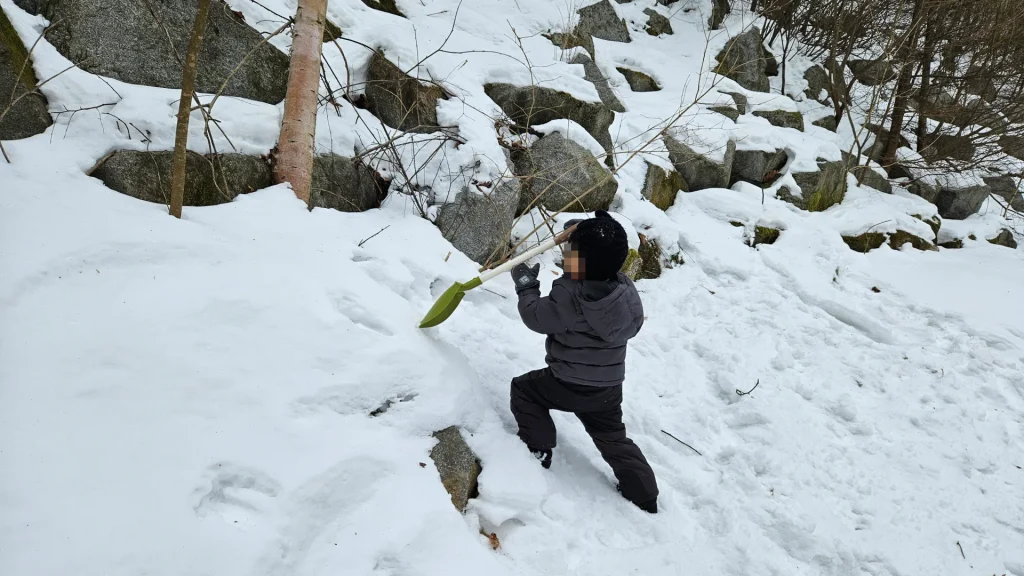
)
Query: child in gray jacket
[{"x": 589, "y": 315}]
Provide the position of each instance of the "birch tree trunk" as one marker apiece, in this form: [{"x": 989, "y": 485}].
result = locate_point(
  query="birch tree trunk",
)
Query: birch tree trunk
[
  {"x": 294, "y": 159},
  {"x": 188, "y": 83}
]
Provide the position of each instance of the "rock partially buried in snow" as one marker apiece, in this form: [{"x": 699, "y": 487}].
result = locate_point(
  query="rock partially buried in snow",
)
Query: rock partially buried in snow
[
  {"x": 399, "y": 100},
  {"x": 656, "y": 23},
  {"x": 661, "y": 186},
  {"x": 601, "y": 21},
  {"x": 959, "y": 203},
  {"x": 871, "y": 72},
  {"x": 650, "y": 259},
  {"x": 946, "y": 147},
  {"x": 1006, "y": 188},
  {"x": 343, "y": 184},
  {"x": 782, "y": 118},
  {"x": 719, "y": 10},
  {"x": 828, "y": 123},
  {"x": 563, "y": 174},
  {"x": 389, "y": 6},
  {"x": 758, "y": 167},
  {"x": 743, "y": 61},
  {"x": 765, "y": 235},
  {"x": 128, "y": 40},
  {"x": 869, "y": 241},
  {"x": 638, "y": 81},
  {"x": 533, "y": 105},
  {"x": 1012, "y": 146},
  {"x": 209, "y": 180},
  {"x": 818, "y": 83},
  {"x": 700, "y": 171},
  {"x": 866, "y": 175},
  {"x": 1004, "y": 238},
  {"x": 633, "y": 265},
  {"x": 457, "y": 465},
  {"x": 593, "y": 73},
  {"x": 30, "y": 116},
  {"x": 819, "y": 190},
  {"x": 478, "y": 223}
]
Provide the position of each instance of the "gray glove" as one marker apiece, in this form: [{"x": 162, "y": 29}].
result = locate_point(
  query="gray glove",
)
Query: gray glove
[
  {"x": 525, "y": 277},
  {"x": 571, "y": 223}
]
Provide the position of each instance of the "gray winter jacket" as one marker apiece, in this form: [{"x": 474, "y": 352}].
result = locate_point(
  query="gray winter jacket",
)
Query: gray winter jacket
[{"x": 587, "y": 324}]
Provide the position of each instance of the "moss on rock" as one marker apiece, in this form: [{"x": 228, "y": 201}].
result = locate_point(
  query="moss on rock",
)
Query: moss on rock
[
  {"x": 765, "y": 235},
  {"x": 650, "y": 256},
  {"x": 900, "y": 237},
  {"x": 865, "y": 242},
  {"x": 782, "y": 118},
  {"x": 633, "y": 265},
  {"x": 661, "y": 186}
]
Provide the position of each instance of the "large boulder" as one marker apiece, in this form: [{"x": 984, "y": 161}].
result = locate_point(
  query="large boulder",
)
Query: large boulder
[
  {"x": 478, "y": 222},
  {"x": 1006, "y": 188},
  {"x": 30, "y": 116},
  {"x": 719, "y": 10},
  {"x": 343, "y": 184},
  {"x": 700, "y": 171},
  {"x": 593, "y": 73},
  {"x": 534, "y": 105},
  {"x": 818, "y": 83},
  {"x": 946, "y": 147},
  {"x": 819, "y": 190},
  {"x": 601, "y": 21},
  {"x": 656, "y": 23},
  {"x": 871, "y": 72},
  {"x": 131, "y": 40},
  {"x": 638, "y": 81},
  {"x": 661, "y": 186},
  {"x": 457, "y": 466},
  {"x": 209, "y": 180},
  {"x": 758, "y": 167},
  {"x": 743, "y": 60},
  {"x": 782, "y": 118},
  {"x": 564, "y": 175},
  {"x": 399, "y": 100},
  {"x": 961, "y": 202}
]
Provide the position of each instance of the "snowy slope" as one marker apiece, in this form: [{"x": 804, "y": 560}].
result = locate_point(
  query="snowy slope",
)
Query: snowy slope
[{"x": 193, "y": 397}]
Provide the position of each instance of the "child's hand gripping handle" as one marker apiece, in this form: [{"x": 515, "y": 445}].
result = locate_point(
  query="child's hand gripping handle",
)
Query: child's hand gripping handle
[{"x": 508, "y": 266}]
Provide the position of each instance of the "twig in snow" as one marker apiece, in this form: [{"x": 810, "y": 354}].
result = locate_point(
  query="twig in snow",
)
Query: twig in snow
[
  {"x": 742, "y": 393},
  {"x": 365, "y": 240},
  {"x": 496, "y": 294},
  {"x": 681, "y": 442},
  {"x": 961, "y": 549}
]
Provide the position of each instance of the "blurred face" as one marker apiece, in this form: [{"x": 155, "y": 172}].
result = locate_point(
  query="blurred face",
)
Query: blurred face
[{"x": 573, "y": 262}]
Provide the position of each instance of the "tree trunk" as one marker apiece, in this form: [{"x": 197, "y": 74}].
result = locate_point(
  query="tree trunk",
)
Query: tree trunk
[
  {"x": 926, "y": 76},
  {"x": 903, "y": 86},
  {"x": 294, "y": 159},
  {"x": 188, "y": 83}
]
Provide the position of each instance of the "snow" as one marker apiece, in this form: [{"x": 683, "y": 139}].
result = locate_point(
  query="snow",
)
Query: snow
[{"x": 193, "y": 396}]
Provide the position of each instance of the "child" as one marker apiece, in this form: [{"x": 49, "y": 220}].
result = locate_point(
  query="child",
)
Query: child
[{"x": 589, "y": 315}]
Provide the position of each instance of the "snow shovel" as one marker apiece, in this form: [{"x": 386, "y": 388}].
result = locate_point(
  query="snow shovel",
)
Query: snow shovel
[{"x": 449, "y": 301}]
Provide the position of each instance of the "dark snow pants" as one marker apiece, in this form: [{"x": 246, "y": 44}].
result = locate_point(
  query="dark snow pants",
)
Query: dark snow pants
[{"x": 535, "y": 393}]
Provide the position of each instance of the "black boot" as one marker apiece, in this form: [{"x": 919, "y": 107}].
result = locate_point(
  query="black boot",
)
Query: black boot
[
  {"x": 649, "y": 506},
  {"x": 542, "y": 456}
]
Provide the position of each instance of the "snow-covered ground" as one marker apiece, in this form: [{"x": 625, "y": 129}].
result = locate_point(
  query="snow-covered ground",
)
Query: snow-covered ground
[{"x": 193, "y": 396}]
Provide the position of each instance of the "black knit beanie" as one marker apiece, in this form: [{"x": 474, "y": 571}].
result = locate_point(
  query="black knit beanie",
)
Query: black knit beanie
[{"x": 602, "y": 243}]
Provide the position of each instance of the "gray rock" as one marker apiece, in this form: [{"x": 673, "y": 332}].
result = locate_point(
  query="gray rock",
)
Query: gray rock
[
  {"x": 656, "y": 23},
  {"x": 593, "y": 73},
  {"x": 343, "y": 184},
  {"x": 1013, "y": 146},
  {"x": 765, "y": 235},
  {"x": 30, "y": 116},
  {"x": 479, "y": 223},
  {"x": 942, "y": 107},
  {"x": 1006, "y": 188},
  {"x": 868, "y": 177},
  {"x": 209, "y": 180},
  {"x": 1004, "y": 238},
  {"x": 661, "y": 186},
  {"x": 828, "y": 123},
  {"x": 650, "y": 259},
  {"x": 128, "y": 40},
  {"x": 819, "y": 190},
  {"x": 699, "y": 171},
  {"x": 981, "y": 113},
  {"x": 771, "y": 63},
  {"x": 719, "y": 10},
  {"x": 562, "y": 173},
  {"x": 927, "y": 191},
  {"x": 743, "y": 60},
  {"x": 871, "y": 72},
  {"x": 601, "y": 21},
  {"x": 638, "y": 81},
  {"x": 757, "y": 167},
  {"x": 457, "y": 466},
  {"x": 871, "y": 240},
  {"x": 740, "y": 100},
  {"x": 782, "y": 118},
  {"x": 532, "y": 105},
  {"x": 946, "y": 147},
  {"x": 633, "y": 265},
  {"x": 979, "y": 83},
  {"x": 959, "y": 203},
  {"x": 818, "y": 80},
  {"x": 727, "y": 111},
  {"x": 566, "y": 40},
  {"x": 399, "y": 100},
  {"x": 388, "y": 6}
]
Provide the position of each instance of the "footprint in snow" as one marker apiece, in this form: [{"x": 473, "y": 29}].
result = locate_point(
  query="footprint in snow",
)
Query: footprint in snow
[{"x": 238, "y": 494}]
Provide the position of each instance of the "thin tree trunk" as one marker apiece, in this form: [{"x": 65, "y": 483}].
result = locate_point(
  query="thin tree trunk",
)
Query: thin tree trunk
[
  {"x": 903, "y": 87},
  {"x": 188, "y": 83},
  {"x": 926, "y": 76},
  {"x": 294, "y": 159}
]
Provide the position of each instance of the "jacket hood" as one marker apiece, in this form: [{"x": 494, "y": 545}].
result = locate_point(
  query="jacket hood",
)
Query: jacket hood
[{"x": 611, "y": 317}]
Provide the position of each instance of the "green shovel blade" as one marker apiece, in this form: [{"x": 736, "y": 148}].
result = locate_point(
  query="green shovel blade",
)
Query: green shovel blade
[{"x": 448, "y": 302}]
